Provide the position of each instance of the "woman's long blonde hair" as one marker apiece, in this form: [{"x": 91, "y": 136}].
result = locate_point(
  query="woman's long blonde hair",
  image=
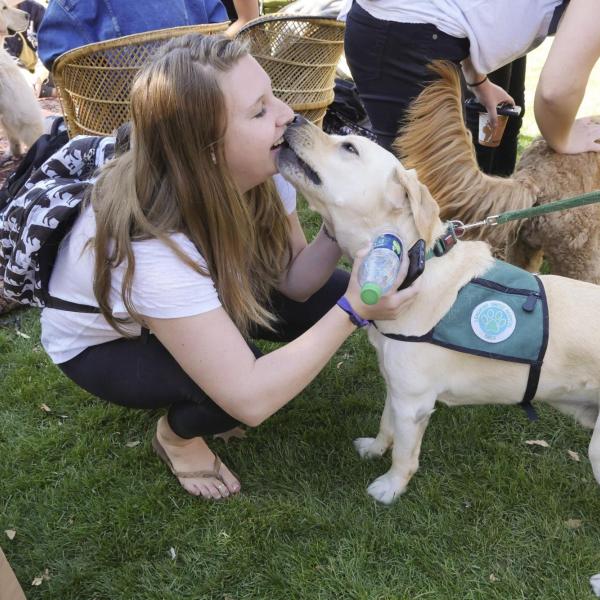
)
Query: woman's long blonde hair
[{"x": 174, "y": 179}]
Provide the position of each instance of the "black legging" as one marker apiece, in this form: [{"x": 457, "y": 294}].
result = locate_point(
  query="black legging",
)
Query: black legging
[
  {"x": 141, "y": 373},
  {"x": 389, "y": 64}
]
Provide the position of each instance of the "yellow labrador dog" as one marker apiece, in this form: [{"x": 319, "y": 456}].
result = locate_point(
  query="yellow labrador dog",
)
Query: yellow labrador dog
[
  {"x": 359, "y": 187},
  {"x": 20, "y": 114}
]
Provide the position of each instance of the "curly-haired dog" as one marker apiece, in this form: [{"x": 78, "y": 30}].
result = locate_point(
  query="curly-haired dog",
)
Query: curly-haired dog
[
  {"x": 20, "y": 113},
  {"x": 358, "y": 187},
  {"x": 436, "y": 143}
]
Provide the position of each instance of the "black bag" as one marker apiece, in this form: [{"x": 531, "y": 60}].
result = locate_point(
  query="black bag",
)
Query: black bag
[
  {"x": 44, "y": 147},
  {"x": 346, "y": 114}
]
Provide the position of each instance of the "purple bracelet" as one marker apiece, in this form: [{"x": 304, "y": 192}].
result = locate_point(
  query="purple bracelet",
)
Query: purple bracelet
[{"x": 354, "y": 316}]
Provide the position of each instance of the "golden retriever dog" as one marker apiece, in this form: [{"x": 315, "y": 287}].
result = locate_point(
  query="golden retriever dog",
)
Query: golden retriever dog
[
  {"x": 20, "y": 113},
  {"x": 358, "y": 187},
  {"x": 436, "y": 143}
]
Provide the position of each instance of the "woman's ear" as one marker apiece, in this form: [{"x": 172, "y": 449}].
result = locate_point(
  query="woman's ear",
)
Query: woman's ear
[{"x": 425, "y": 210}]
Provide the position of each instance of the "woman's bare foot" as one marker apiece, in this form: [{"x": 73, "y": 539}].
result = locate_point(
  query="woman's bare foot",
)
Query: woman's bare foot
[{"x": 190, "y": 455}]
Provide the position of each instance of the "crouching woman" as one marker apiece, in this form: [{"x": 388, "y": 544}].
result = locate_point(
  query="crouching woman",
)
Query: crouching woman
[{"x": 188, "y": 235}]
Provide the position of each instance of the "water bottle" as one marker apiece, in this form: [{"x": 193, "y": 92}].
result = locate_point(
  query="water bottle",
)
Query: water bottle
[{"x": 380, "y": 268}]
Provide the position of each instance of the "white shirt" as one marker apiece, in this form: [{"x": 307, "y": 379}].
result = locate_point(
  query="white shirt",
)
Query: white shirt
[
  {"x": 498, "y": 32},
  {"x": 163, "y": 286}
]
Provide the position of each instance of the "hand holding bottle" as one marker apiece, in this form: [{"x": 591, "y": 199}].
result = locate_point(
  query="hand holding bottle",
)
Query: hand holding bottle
[{"x": 392, "y": 303}]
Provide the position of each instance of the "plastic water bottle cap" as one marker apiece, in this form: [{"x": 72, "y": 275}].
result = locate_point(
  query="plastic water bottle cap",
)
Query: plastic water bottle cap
[{"x": 370, "y": 293}]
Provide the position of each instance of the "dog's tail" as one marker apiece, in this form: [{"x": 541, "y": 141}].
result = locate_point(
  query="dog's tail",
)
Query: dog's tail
[{"x": 436, "y": 142}]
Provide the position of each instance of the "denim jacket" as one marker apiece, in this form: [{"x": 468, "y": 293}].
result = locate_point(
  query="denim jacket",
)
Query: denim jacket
[{"x": 69, "y": 24}]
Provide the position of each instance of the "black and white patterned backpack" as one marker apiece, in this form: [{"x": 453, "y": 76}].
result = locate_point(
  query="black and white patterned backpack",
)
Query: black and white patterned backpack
[{"x": 33, "y": 223}]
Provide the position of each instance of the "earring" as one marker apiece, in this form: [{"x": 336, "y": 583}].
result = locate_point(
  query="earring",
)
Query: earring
[{"x": 213, "y": 156}]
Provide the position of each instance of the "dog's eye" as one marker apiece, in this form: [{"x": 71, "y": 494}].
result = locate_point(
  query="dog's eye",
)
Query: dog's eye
[{"x": 350, "y": 148}]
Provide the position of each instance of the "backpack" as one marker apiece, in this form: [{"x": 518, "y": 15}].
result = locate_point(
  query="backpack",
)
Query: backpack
[
  {"x": 33, "y": 223},
  {"x": 43, "y": 148}
]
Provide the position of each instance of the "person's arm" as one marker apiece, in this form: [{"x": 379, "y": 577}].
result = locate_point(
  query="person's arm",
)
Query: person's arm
[
  {"x": 211, "y": 350},
  {"x": 246, "y": 11},
  {"x": 487, "y": 93},
  {"x": 563, "y": 80},
  {"x": 312, "y": 264}
]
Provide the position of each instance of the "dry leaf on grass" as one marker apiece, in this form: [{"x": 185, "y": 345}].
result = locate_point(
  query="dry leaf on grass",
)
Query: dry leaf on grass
[
  {"x": 23, "y": 335},
  {"x": 172, "y": 553},
  {"x": 573, "y": 523},
  {"x": 45, "y": 408},
  {"x": 41, "y": 578},
  {"x": 573, "y": 455},
  {"x": 595, "y": 583},
  {"x": 542, "y": 443},
  {"x": 10, "y": 533},
  {"x": 133, "y": 444},
  {"x": 493, "y": 577}
]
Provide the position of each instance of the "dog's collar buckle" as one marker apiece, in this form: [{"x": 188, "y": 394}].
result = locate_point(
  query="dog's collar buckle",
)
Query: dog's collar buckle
[{"x": 447, "y": 241}]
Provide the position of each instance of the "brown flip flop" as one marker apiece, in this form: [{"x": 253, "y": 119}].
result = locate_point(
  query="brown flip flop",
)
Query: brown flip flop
[{"x": 205, "y": 474}]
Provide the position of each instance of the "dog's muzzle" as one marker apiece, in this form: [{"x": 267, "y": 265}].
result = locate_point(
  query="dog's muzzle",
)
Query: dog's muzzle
[{"x": 297, "y": 138}]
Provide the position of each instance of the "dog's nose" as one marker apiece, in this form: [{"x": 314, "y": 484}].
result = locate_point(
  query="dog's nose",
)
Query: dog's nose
[{"x": 297, "y": 121}]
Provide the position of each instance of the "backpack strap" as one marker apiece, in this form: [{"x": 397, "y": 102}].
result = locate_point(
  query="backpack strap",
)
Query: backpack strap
[{"x": 60, "y": 304}]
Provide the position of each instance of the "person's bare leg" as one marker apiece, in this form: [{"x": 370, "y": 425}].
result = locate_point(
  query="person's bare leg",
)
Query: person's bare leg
[{"x": 189, "y": 455}]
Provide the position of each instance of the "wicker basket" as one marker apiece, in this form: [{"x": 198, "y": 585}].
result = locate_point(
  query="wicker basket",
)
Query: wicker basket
[
  {"x": 94, "y": 81},
  {"x": 300, "y": 54}
]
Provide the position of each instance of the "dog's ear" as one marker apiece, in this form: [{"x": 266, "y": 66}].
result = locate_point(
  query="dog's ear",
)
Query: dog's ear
[{"x": 425, "y": 209}]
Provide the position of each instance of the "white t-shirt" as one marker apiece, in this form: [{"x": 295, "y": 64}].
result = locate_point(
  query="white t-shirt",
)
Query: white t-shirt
[
  {"x": 163, "y": 286},
  {"x": 498, "y": 32}
]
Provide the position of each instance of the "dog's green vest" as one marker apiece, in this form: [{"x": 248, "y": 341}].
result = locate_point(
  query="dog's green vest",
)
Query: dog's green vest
[{"x": 503, "y": 315}]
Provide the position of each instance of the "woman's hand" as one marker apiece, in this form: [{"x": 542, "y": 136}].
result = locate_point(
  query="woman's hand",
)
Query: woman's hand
[
  {"x": 491, "y": 95},
  {"x": 392, "y": 304}
]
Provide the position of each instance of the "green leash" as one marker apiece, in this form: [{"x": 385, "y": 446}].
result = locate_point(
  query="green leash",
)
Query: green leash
[
  {"x": 534, "y": 211},
  {"x": 457, "y": 229}
]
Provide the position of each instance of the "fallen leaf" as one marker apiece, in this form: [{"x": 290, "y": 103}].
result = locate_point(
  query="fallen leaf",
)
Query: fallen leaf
[
  {"x": 133, "y": 443},
  {"x": 45, "y": 408},
  {"x": 46, "y": 574},
  {"x": 10, "y": 533},
  {"x": 573, "y": 455},
  {"x": 541, "y": 443},
  {"x": 595, "y": 583},
  {"x": 172, "y": 553},
  {"x": 23, "y": 335},
  {"x": 339, "y": 364},
  {"x": 37, "y": 580},
  {"x": 573, "y": 523},
  {"x": 493, "y": 577}
]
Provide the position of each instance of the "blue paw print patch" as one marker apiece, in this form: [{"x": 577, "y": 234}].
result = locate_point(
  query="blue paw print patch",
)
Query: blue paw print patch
[{"x": 493, "y": 321}]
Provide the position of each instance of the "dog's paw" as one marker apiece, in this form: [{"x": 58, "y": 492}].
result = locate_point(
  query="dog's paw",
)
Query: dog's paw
[
  {"x": 368, "y": 447},
  {"x": 387, "y": 488}
]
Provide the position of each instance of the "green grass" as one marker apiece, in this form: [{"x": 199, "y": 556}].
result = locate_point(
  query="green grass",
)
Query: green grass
[{"x": 485, "y": 517}]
